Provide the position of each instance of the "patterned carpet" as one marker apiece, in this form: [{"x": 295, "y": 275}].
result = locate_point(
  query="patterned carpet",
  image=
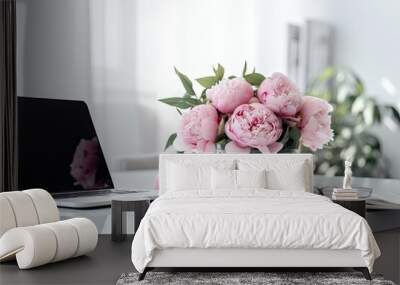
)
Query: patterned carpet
[{"x": 243, "y": 278}]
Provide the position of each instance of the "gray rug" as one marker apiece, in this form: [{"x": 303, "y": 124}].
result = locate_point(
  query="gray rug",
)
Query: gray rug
[{"x": 232, "y": 278}]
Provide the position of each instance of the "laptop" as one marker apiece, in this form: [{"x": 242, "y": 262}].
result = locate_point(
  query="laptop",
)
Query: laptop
[{"x": 59, "y": 150}]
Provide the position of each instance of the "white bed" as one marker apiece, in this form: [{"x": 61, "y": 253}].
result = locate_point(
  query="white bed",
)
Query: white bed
[{"x": 251, "y": 227}]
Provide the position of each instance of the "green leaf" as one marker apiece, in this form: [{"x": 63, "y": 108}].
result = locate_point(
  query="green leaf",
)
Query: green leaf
[
  {"x": 181, "y": 102},
  {"x": 285, "y": 137},
  {"x": 359, "y": 86},
  {"x": 221, "y": 137},
  {"x": 294, "y": 134},
  {"x": 395, "y": 113},
  {"x": 358, "y": 105},
  {"x": 219, "y": 72},
  {"x": 254, "y": 78},
  {"x": 221, "y": 126},
  {"x": 368, "y": 113},
  {"x": 290, "y": 138},
  {"x": 244, "y": 69},
  {"x": 170, "y": 141},
  {"x": 203, "y": 96},
  {"x": 328, "y": 73},
  {"x": 187, "y": 84},
  {"x": 377, "y": 114},
  {"x": 208, "y": 81},
  {"x": 231, "y": 77}
]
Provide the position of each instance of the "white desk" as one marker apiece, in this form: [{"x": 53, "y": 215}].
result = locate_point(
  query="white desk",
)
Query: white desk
[{"x": 139, "y": 179}]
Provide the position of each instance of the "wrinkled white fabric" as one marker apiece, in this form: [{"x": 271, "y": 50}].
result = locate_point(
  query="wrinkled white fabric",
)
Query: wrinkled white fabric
[{"x": 250, "y": 218}]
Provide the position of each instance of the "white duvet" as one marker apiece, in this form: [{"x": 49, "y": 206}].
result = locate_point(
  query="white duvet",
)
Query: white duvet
[{"x": 250, "y": 219}]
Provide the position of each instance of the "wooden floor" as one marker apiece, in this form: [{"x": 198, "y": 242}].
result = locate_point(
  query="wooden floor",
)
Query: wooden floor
[{"x": 103, "y": 266}]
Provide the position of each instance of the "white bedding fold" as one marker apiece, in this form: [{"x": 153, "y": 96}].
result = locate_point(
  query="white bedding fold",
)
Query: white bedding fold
[{"x": 250, "y": 219}]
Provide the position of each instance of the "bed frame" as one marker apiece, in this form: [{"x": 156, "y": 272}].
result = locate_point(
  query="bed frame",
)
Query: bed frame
[
  {"x": 246, "y": 259},
  {"x": 261, "y": 259}
]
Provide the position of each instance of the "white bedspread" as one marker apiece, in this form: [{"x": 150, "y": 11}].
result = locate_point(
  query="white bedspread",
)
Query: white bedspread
[{"x": 250, "y": 219}]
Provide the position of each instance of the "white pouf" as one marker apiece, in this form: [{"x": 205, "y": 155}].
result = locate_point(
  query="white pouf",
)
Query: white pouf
[{"x": 31, "y": 232}]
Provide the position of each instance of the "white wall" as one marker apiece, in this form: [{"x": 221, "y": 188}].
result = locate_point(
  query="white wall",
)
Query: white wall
[
  {"x": 137, "y": 43},
  {"x": 119, "y": 54},
  {"x": 368, "y": 40},
  {"x": 54, "y": 48}
]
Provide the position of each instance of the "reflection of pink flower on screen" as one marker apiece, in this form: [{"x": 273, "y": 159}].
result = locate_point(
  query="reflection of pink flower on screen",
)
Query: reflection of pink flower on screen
[{"x": 85, "y": 162}]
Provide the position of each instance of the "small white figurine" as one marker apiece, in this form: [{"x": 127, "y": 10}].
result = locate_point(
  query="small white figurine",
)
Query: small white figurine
[{"x": 347, "y": 175}]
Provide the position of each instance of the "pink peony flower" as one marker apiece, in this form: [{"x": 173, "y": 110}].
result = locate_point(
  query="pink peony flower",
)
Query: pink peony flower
[
  {"x": 230, "y": 93},
  {"x": 232, "y": 147},
  {"x": 280, "y": 95},
  {"x": 315, "y": 124},
  {"x": 254, "y": 125},
  {"x": 198, "y": 130},
  {"x": 85, "y": 162}
]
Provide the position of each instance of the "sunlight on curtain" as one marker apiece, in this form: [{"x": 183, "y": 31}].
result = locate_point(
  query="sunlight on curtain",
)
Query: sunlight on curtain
[
  {"x": 136, "y": 44},
  {"x": 134, "y": 48}
]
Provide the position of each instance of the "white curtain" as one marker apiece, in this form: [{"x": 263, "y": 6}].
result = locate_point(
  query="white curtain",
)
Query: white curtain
[
  {"x": 134, "y": 47},
  {"x": 136, "y": 43}
]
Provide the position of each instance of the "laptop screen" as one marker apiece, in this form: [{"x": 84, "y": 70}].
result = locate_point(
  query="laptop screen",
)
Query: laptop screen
[{"x": 58, "y": 148}]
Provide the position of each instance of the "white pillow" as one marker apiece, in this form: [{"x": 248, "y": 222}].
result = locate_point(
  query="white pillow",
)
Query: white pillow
[
  {"x": 251, "y": 179},
  {"x": 182, "y": 177},
  {"x": 225, "y": 179},
  {"x": 292, "y": 179},
  {"x": 186, "y": 175},
  {"x": 282, "y": 174}
]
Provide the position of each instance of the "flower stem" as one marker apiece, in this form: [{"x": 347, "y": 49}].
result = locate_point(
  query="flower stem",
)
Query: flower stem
[{"x": 299, "y": 147}]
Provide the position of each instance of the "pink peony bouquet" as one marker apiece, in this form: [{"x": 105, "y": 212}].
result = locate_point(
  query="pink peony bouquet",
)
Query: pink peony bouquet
[{"x": 252, "y": 113}]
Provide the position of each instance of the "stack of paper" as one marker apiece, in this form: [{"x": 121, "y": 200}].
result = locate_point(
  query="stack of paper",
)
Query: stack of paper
[{"x": 344, "y": 194}]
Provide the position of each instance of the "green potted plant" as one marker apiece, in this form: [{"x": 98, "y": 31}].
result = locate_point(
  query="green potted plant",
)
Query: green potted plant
[{"x": 354, "y": 113}]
